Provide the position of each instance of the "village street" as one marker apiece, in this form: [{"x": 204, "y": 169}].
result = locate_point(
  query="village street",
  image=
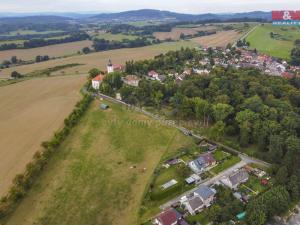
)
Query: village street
[{"x": 207, "y": 182}]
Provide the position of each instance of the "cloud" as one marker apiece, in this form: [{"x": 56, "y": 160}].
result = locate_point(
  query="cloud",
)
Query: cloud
[{"x": 187, "y": 6}]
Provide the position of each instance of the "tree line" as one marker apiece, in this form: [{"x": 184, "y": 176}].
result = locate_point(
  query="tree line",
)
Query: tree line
[
  {"x": 23, "y": 182},
  {"x": 34, "y": 43},
  {"x": 103, "y": 44}
]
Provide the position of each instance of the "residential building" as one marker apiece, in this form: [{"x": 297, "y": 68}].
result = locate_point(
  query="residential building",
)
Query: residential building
[
  {"x": 235, "y": 179},
  {"x": 153, "y": 74},
  {"x": 202, "y": 198},
  {"x": 194, "y": 205},
  {"x": 202, "y": 163},
  {"x": 206, "y": 194},
  {"x": 169, "y": 217},
  {"x": 132, "y": 80},
  {"x": 96, "y": 81}
]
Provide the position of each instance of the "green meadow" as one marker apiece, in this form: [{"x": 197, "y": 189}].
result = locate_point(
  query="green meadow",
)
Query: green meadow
[
  {"x": 280, "y": 45},
  {"x": 100, "y": 173}
]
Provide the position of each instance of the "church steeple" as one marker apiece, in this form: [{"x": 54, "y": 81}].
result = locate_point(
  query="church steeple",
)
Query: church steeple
[{"x": 110, "y": 67}]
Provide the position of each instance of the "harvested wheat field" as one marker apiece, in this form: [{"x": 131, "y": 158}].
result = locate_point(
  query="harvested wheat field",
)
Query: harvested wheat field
[
  {"x": 220, "y": 39},
  {"x": 30, "y": 112},
  {"x": 51, "y": 50},
  {"x": 100, "y": 59},
  {"x": 176, "y": 32}
]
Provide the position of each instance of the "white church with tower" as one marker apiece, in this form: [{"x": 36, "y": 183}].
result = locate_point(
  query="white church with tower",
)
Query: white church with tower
[{"x": 113, "y": 67}]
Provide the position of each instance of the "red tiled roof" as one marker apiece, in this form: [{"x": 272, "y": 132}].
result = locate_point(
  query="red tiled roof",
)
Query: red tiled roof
[
  {"x": 117, "y": 66},
  {"x": 208, "y": 158},
  {"x": 287, "y": 75},
  {"x": 99, "y": 77},
  {"x": 169, "y": 217},
  {"x": 152, "y": 72}
]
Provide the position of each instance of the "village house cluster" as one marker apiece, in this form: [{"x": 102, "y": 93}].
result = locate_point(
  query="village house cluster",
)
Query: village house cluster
[
  {"x": 212, "y": 57},
  {"x": 131, "y": 80},
  {"x": 204, "y": 194},
  {"x": 244, "y": 58}
]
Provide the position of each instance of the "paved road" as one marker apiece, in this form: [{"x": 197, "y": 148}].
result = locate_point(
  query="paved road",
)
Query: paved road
[{"x": 207, "y": 182}]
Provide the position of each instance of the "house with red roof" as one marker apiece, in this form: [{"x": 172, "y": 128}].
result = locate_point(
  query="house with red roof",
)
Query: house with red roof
[
  {"x": 287, "y": 75},
  {"x": 170, "y": 217},
  {"x": 153, "y": 74},
  {"x": 96, "y": 81}
]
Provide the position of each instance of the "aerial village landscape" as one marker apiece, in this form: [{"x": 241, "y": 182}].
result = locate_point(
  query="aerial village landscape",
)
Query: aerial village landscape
[
  {"x": 247, "y": 177},
  {"x": 149, "y": 116}
]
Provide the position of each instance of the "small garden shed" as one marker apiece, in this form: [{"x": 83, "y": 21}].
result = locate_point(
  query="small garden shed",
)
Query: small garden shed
[{"x": 104, "y": 106}]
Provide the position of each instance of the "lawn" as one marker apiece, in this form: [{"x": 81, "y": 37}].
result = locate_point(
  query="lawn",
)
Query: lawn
[
  {"x": 227, "y": 163},
  {"x": 201, "y": 218},
  {"x": 158, "y": 194},
  {"x": 99, "y": 174},
  {"x": 254, "y": 184},
  {"x": 220, "y": 155},
  {"x": 280, "y": 46}
]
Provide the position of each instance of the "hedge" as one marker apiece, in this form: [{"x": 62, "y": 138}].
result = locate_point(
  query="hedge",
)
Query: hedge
[{"x": 23, "y": 182}]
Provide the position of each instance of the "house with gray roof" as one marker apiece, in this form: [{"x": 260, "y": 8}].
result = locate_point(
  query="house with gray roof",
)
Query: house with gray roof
[
  {"x": 200, "y": 199},
  {"x": 194, "y": 205},
  {"x": 206, "y": 194},
  {"x": 202, "y": 163},
  {"x": 235, "y": 179}
]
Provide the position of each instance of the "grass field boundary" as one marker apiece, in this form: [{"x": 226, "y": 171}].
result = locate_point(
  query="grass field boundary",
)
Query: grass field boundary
[
  {"x": 245, "y": 35},
  {"x": 22, "y": 183}
]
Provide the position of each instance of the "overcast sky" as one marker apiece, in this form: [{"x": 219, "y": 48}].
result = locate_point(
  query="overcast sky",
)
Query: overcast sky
[{"x": 185, "y": 6}]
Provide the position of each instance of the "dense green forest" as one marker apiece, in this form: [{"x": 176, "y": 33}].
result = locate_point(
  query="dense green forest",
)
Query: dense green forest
[{"x": 258, "y": 109}]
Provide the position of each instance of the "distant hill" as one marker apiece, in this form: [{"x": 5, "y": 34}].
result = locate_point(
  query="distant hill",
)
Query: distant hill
[
  {"x": 151, "y": 14},
  {"x": 34, "y": 20},
  {"x": 134, "y": 15}
]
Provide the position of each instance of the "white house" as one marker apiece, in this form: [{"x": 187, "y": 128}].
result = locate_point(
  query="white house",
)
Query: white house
[
  {"x": 202, "y": 163},
  {"x": 96, "y": 81},
  {"x": 194, "y": 205},
  {"x": 235, "y": 179},
  {"x": 153, "y": 74},
  {"x": 202, "y": 198}
]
